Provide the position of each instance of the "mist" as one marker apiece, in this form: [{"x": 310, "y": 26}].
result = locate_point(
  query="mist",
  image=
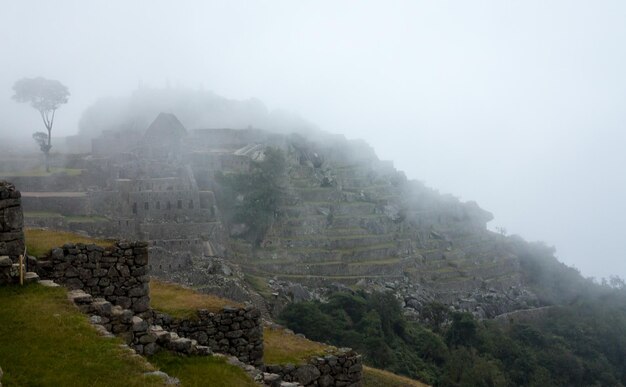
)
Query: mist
[{"x": 516, "y": 105}]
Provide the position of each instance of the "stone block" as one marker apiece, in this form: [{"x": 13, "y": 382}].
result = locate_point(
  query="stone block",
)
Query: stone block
[
  {"x": 141, "y": 304},
  {"x": 79, "y": 297},
  {"x": 147, "y": 339},
  {"x": 326, "y": 381},
  {"x": 150, "y": 349}
]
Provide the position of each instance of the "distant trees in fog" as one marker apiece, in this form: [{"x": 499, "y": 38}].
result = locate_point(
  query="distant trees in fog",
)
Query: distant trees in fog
[{"x": 45, "y": 96}]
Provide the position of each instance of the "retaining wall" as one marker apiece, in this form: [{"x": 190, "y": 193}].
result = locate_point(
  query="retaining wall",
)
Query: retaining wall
[
  {"x": 344, "y": 368},
  {"x": 119, "y": 273},
  {"x": 11, "y": 222},
  {"x": 233, "y": 331}
]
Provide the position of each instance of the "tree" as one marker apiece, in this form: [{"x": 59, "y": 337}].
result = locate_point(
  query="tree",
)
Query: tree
[
  {"x": 45, "y": 95},
  {"x": 252, "y": 197}
]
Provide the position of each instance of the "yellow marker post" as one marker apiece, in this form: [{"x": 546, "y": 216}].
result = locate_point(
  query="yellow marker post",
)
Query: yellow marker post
[{"x": 21, "y": 270}]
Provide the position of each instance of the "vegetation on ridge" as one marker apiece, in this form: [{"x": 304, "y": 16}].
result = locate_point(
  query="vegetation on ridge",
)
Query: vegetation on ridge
[
  {"x": 252, "y": 197},
  {"x": 581, "y": 344}
]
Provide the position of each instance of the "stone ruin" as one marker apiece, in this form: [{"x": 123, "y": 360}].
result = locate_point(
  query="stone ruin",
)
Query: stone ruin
[
  {"x": 345, "y": 216},
  {"x": 11, "y": 222},
  {"x": 111, "y": 284},
  {"x": 12, "y": 237}
]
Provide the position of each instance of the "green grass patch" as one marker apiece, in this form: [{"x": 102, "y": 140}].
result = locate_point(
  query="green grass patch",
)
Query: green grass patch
[
  {"x": 196, "y": 371},
  {"x": 46, "y": 341},
  {"x": 42, "y": 214},
  {"x": 182, "y": 302},
  {"x": 259, "y": 284},
  {"x": 40, "y": 241},
  {"x": 281, "y": 347},
  {"x": 384, "y": 261},
  {"x": 69, "y": 219},
  {"x": 85, "y": 219},
  {"x": 373, "y": 377},
  {"x": 367, "y": 248},
  {"x": 40, "y": 172}
]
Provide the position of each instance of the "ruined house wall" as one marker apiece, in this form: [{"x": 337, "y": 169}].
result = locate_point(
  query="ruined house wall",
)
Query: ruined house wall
[
  {"x": 11, "y": 222},
  {"x": 119, "y": 273},
  {"x": 233, "y": 331},
  {"x": 149, "y": 204}
]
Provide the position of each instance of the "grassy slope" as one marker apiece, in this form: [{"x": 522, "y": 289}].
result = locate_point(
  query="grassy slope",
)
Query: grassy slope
[
  {"x": 196, "y": 371},
  {"x": 182, "y": 302},
  {"x": 46, "y": 341},
  {"x": 39, "y": 242},
  {"x": 374, "y": 377},
  {"x": 281, "y": 347},
  {"x": 88, "y": 359}
]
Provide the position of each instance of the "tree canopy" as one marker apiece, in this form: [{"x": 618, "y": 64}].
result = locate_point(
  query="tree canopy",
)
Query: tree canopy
[{"x": 45, "y": 96}]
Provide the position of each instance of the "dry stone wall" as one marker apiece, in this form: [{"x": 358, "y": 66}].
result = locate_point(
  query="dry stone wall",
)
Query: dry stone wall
[
  {"x": 118, "y": 274},
  {"x": 142, "y": 337},
  {"x": 343, "y": 368},
  {"x": 11, "y": 222},
  {"x": 233, "y": 331}
]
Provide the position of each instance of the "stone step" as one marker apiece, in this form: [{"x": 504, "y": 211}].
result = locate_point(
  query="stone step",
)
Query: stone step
[
  {"x": 79, "y": 297},
  {"x": 49, "y": 283},
  {"x": 31, "y": 277}
]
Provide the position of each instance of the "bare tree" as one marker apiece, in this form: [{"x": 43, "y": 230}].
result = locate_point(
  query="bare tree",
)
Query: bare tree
[{"x": 45, "y": 95}]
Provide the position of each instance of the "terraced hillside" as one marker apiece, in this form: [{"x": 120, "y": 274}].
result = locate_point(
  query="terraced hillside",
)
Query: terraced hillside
[{"x": 351, "y": 218}]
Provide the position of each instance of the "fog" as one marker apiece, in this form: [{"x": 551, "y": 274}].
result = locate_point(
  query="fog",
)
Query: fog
[{"x": 516, "y": 105}]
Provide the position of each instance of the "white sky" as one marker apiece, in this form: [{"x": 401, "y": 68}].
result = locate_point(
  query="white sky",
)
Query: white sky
[{"x": 518, "y": 105}]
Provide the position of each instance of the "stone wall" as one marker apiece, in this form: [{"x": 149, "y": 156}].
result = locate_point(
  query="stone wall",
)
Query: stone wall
[
  {"x": 144, "y": 338},
  {"x": 233, "y": 331},
  {"x": 344, "y": 368},
  {"x": 11, "y": 222},
  {"x": 118, "y": 273}
]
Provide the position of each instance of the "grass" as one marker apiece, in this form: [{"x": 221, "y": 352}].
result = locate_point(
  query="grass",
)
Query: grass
[
  {"x": 40, "y": 241},
  {"x": 179, "y": 301},
  {"x": 85, "y": 219},
  {"x": 46, "y": 341},
  {"x": 281, "y": 347},
  {"x": 373, "y": 377},
  {"x": 201, "y": 370},
  {"x": 40, "y": 172},
  {"x": 69, "y": 219},
  {"x": 259, "y": 284},
  {"x": 42, "y": 214}
]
